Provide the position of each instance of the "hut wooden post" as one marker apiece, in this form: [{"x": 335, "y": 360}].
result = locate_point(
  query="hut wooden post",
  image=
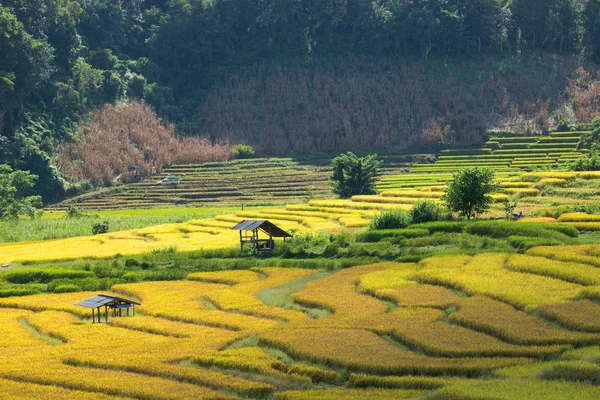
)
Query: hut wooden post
[{"x": 93, "y": 317}]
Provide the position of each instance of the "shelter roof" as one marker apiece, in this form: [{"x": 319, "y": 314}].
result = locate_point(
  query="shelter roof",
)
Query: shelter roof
[
  {"x": 263, "y": 225},
  {"x": 101, "y": 300}
]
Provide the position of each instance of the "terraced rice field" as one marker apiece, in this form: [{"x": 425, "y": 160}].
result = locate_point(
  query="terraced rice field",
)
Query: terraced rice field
[
  {"x": 447, "y": 327},
  {"x": 254, "y": 181}
]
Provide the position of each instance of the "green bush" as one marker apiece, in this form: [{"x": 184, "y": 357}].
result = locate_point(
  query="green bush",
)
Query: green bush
[
  {"x": 43, "y": 275},
  {"x": 10, "y": 292},
  {"x": 131, "y": 263},
  {"x": 505, "y": 229},
  {"x": 527, "y": 242},
  {"x": 99, "y": 228},
  {"x": 393, "y": 219},
  {"x": 425, "y": 211},
  {"x": 243, "y": 151},
  {"x": 377, "y": 235},
  {"x": 66, "y": 288},
  {"x": 130, "y": 277},
  {"x": 442, "y": 226},
  {"x": 572, "y": 371}
]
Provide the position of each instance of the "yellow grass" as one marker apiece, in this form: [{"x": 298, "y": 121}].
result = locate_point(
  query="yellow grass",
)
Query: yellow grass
[
  {"x": 579, "y": 217},
  {"x": 509, "y": 324},
  {"x": 585, "y": 254},
  {"x": 365, "y": 351},
  {"x": 486, "y": 274},
  {"x": 178, "y": 347},
  {"x": 546, "y": 220},
  {"x": 13, "y": 390},
  {"x": 419, "y": 296},
  {"x": 349, "y": 394},
  {"x": 581, "y": 315},
  {"x": 568, "y": 271}
]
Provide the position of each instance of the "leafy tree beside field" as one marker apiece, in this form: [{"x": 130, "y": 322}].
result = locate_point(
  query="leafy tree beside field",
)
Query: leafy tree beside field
[
  {"x": 354, "y": 175},
  {"x": 469, "y": 192},
  {"x": 15, "y": 187}
]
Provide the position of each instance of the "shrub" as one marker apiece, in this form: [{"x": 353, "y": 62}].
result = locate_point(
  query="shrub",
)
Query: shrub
[
  {"x": 130, "y": 277},
  {"x": 10, "y": 292},
  {"x": 442, "y": 226},
  {"x": 243, "y": 151},
  {"x": 504, "y": 229},
  {"x": 354, "y": 175},
  {"x": 43, "y": 275},
  {"x": 425, "y": 211},
  {"x": 377, "y": 235},
  {"x": 527, "y": 242},
  {"x": 130, "y": 262},
  {"x": 99, "y": 228},
  {"x": 469, "y": 192},
  {"x": 572, "y": 371},
  {"x": 66, "y": 288},
  {"x": 393, "y": 219}
]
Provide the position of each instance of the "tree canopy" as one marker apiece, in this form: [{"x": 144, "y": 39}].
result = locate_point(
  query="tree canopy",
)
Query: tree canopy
[
  {"x": 61, "y": 59},
  {"x": 15, "y": 187},
  {"x": 354, "y": 175},
  {"x": 469, "y": 191}
]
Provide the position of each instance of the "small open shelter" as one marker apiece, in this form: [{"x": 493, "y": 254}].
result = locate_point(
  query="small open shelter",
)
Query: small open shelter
[
  {"x": 249, "y": 233},
  {"x": 114, "y": 303}
]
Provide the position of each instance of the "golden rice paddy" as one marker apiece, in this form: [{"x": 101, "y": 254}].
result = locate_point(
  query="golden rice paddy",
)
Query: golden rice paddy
[{"x": 436, "y": 328}]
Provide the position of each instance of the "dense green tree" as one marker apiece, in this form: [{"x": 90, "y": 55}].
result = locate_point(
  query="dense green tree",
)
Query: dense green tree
[
  {"x": 469, "y": 191},
  {"x": 591, "y": 28},
  {"x": 354, "y": 175},
  {"x": 60, "y": 59},
  {"x": 547, "y": 24},
  {"x": 15, "y": 190}
]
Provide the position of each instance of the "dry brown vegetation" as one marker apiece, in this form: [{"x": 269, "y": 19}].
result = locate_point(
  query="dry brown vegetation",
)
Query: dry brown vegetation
[
  {"x": 128, "y": 141},
  {"x": 352, "y": 104}
]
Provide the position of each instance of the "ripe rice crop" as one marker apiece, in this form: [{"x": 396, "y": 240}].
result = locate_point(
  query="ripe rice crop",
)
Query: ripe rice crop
[
  {"x": 359, "y": 205},
  {"x": 419, "y": 296},
  {"x": 543, "y": 220},
  {"x": 395, "y": 276},
  {"x": 382, "y": 199},
  {"x": 552, "y": 182},
  {"x": 522, "y": 192},
  {"x": 403, "y": 382},
  {"x": 412, "y": 193},
  {"x": 578, "y": 217},
  {"x": 584, "y": 254},
  {"x": 349, "y": 394},
  {"x": 592, "y": 293},
  {"x": 232, "y": 277},
  {"x": 359, "y": 350},
  {"x": 353, "y": 221},
  {"x": 124, "y": 242},
  {"x": 513, "y": 185},
  {"x": 502, "y": 320},
  {"x": 24, "y": 390},
  {"x": 316, "y": 374},
  {"x": 248, "y": 359},
  {"x": 328, "y": 210},
  {"x": 485, "y": 274},
  {"x": 581, "y": 315},
  {"x": 509, "y": 389},
  {"x": 536, "y": 176},
  {"x": 163, "y": 353},
  {"x": 568, "y": 271},
  {"x": 423, "y": 330},
  {"x": 337, "y": 293}
]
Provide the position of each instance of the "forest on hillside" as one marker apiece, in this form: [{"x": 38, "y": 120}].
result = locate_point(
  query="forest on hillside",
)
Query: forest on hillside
[{"x": 293, "y": 75}]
